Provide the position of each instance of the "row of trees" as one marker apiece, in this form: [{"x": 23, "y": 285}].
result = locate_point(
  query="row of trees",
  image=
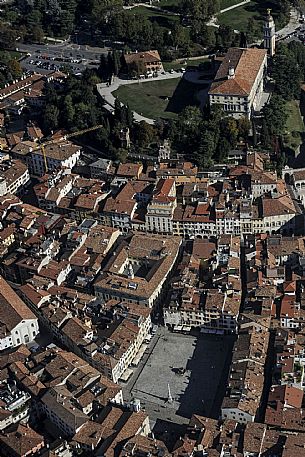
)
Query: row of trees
[
  {"x": 288, "y": 69},
  {"x": 288, "y": 72},
  {"x": 207, "y": 138}
]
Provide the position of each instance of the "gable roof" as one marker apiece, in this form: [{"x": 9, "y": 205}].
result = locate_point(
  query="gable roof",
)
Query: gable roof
[
  {"x": 12, "y": 309},
  {"x": 246, "y": 63}
]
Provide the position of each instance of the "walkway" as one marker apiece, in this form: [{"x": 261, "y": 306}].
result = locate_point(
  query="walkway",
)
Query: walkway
[
  {"x": 244, "y": 2},
  {"x": 213, "y": 21},
  {"x": 106, "y": 91}
]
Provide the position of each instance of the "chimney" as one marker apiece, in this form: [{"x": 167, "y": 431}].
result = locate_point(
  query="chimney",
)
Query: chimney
[{"x": 231, "y": 72}]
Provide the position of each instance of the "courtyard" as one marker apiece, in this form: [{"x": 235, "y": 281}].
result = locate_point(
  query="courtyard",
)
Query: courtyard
[
  {"x": 160, "y": 99},
  {"x": 199, "y": 389}
]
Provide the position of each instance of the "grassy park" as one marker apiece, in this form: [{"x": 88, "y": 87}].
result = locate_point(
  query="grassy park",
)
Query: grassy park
[
  {"x": 227, "y": 3},
  {"x": 163, "y": 19},
  {"x": 238, "y": 17},
  {"x": 159, "y": 99}
]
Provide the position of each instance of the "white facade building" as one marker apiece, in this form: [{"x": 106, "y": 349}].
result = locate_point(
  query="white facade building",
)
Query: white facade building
[
  {"x": 18, "y": 325},
  {"x": 159, "y": 217},
  {"x": 239, "y": 82},
  {"x": 63, "y": 154}
]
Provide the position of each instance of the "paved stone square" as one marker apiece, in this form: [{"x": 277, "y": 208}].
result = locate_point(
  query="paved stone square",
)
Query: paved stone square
[{"x": 205, "y": 358}]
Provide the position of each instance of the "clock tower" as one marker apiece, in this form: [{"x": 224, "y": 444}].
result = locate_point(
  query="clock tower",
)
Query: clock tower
[{"x": 269, "y": 34}]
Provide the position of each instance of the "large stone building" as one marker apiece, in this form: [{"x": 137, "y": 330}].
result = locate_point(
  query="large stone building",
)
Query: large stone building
[
  {"x": 139, "y": 270},
  {"x": 239, "y": 82}
]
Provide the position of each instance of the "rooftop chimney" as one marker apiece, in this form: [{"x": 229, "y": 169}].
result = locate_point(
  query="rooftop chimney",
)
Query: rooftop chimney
[{"x": 231, "y": 72}]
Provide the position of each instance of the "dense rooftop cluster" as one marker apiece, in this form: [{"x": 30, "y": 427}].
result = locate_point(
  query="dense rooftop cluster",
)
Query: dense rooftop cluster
[{"x": 104, "y": 263}]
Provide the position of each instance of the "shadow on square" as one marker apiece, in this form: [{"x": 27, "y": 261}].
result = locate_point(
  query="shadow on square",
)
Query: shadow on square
[{"x": 207, "y": 385}]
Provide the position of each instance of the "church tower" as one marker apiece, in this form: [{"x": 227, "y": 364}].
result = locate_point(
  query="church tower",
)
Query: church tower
[{"x": 269, "y": 34}]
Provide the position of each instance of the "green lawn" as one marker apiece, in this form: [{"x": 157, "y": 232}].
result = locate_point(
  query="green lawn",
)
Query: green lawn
[
  {"x": 157, "y": 99},
  {"x": 226, "y": 3},
  {"x": 238, "y": 17},
  {"x": 256, "y": 9},
  {"x": 294, "y": 125},
  {"x": 163, "y": 19},
  {"x": 170, "y": 5}
]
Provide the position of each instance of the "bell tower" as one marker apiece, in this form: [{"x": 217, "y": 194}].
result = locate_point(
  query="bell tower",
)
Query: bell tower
[{"x": 269, "y": 34}]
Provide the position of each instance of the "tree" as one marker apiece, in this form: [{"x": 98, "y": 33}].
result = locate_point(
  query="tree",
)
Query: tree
[
  {"x": 37, "y": 34},
  {"x": 206, "y": 149},
  {"x": 265, "y": 135},
  {"x": 51, "y": 117},
  {"x": 287, "y": 76},
  {"x": 118, "y": 108},
  {"x": 144, "y": 134},
  {"x": 222, "y": 150},
  {"x": 102, "y": 10},
  {"x": 8, "y": 37},
  {"x": 129, "y": 116},
  {"x": 104, "y": 70},
  {"x": 121, "y": 155},
  {"x": 244, "y": 127},
  {"x": 252, "y": 30},
  {"x": 14, "y": 68},
  {"x": 275, "y": 114},
  {"x": 110, "y": 63},
  {"x": 68, "y": 112},
  {"x": 136, "y": 68},
  {"x": 229, "y": 129},
  {"x": 116, "y": 62},
  {"x": 225, "y": 36},
  {"x": 180, "y": 37}
]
